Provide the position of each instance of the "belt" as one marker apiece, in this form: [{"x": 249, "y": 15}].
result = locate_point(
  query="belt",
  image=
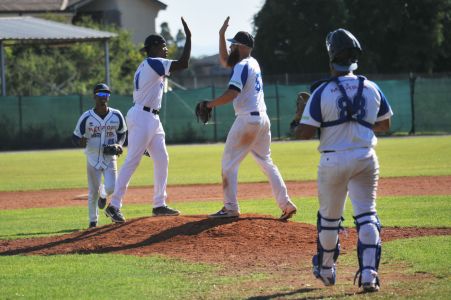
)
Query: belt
[
  {"x": 328, "y": 151},
  {"x": 154, "y": 111},
  {"x": 255, "y": 113}
]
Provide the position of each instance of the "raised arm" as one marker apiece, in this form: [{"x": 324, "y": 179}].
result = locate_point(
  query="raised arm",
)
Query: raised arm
[
  {"x": 223, "y": 53},
  {"x": 183, "y": 61}
]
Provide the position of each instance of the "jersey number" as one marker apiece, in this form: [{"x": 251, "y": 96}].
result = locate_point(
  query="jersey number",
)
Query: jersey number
[{"x": 359, "y": 108}]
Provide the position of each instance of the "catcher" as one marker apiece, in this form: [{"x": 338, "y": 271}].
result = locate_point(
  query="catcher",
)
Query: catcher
[{"x": 101, "y": 131}]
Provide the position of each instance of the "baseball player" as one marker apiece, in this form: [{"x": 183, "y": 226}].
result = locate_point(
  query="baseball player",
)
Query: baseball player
[
  {"x": 348, "y": 109},
  {"x": 145, "y": 129},
  {"x": 250, "y": 131},
  {"x": 97, "y": 127}
]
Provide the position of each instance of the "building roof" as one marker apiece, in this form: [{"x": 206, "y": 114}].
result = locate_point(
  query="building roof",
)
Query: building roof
[
  {"x": 34, "y": 29},
  {"x": 13, "y": 6}
]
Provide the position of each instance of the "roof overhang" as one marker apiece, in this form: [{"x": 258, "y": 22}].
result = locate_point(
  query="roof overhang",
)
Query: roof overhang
[{"x": 30, "y": 29}]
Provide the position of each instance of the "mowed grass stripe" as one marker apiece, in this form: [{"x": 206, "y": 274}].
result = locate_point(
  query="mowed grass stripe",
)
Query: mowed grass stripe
[{"x": 194, "y": 164}]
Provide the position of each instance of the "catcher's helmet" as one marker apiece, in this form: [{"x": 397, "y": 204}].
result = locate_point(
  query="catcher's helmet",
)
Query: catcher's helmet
[
  {"x": 344, "y": 50},
  {"x": 101, "y": 87}
]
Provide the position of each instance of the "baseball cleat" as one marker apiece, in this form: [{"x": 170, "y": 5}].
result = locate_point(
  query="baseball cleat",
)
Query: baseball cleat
[
  {"x": 164, "y": 211},
  {"x": 370, "y": 287},
  {"x": 288, "y": 212},
  {"x": 225, "y": 213},
  {"x": 326, "y": 275},
  {"x": 115, "y": 214},
  {"x": 101, "y": 202},
  {"x": 92, "y": 224}
]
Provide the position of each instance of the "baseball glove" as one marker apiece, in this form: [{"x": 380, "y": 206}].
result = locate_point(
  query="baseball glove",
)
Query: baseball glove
[
  {"x": 301, "y": 102},
  {"x": 114, "y": 149},
  {"x": 203, "y": 113}
]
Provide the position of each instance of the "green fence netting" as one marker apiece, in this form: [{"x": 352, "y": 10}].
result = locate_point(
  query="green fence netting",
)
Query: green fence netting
[{"x": 48, "y": 121}]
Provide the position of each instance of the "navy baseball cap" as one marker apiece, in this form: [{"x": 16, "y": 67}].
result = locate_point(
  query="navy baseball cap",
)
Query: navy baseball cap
[
  {"x": 153, "y": 40},
  {"x": 243, "y": 38},
  {"x": 102, "y": 87}
]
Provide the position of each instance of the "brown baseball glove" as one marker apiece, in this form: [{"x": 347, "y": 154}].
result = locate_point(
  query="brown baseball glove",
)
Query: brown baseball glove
[
  {"x": 203, "y": 113},
  {"x": 301, "y": 102}
]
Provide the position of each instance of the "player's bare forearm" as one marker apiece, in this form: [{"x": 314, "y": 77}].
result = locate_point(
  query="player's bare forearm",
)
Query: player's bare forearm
[
  {"x": 223, "y": 53},
  {"x": 382, "y": 126},
  {"x": 225, "y": 98},
  {"x": 183, "y": 61}
]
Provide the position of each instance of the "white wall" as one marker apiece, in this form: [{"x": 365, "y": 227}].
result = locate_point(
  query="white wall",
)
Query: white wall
[{"x": 138, "y": 17}]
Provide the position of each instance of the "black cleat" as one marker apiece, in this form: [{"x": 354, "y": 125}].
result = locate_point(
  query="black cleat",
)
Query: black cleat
[
  {"x": 101, "y": 203},
  {"x": 115, "y": 214},
  {"x": 92, "y": 224},
  {"x": 164, "y": 211}
]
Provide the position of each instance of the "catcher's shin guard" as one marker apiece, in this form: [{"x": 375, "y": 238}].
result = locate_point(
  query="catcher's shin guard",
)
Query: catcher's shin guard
[
  {"x": 364, "y": 223},
  {"x": 318, "y": 259}
]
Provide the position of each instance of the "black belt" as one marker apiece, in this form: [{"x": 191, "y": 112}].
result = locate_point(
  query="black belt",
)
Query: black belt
[
  {"x": 255, "y": 113},
  {"x": 328, "y": 151},
  {"x": 154, "y": 111}
]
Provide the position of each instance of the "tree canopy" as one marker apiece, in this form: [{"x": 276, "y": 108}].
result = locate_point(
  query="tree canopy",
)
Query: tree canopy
[
  {"x": 73, "y": 68},
  {"x": 396, "y": 36}
]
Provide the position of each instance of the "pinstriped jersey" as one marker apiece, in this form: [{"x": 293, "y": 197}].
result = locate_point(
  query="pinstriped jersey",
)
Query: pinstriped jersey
[
  {"x": 149, "y": 81},
  {"x": 100, "y": 132},
  {"x": 247, "y": 79},
  {"x": 327, "y": 104}
]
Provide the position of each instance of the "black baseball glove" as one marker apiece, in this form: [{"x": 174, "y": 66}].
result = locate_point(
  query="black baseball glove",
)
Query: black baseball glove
[
  {"x": 203, "y": 113},
  {"x": 114, "y": 149}
]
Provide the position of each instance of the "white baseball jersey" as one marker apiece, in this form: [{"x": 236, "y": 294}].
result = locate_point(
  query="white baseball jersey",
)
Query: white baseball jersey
[
  {"x": 149, "y": 82},
  {"x": 246, "y": 78},
  {"x": 100, "y": 132},
  {"x": 328, "y": 109}
]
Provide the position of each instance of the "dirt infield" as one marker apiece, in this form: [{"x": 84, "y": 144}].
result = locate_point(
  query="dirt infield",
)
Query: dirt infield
[
  {"x": 251, "y": 241},
  {"x": 402, "y": 186}
]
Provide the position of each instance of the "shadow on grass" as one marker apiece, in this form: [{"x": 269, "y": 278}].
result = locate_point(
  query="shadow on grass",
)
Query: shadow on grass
[
  {"x": 187, "y": 229},
  {"x": 35, "y": 234}
]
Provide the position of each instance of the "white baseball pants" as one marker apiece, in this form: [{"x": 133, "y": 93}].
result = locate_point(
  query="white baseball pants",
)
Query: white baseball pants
[
  {"x": 145, "y": 132},
  {"x": 355, "y": 172},
  {"x": 94, "y": 186},
  {"x": 250, "y": 134}
]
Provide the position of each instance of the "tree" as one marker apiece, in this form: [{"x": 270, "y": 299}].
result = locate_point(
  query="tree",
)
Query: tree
[
  {"x": 290, "y": 35},
  {"x": 73, "y": 68},
  {"x": 396, "y": 36}
]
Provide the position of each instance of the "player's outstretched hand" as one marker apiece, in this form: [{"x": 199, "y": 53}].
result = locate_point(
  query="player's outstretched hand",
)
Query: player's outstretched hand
[
  {"x": 186, "y": 28},
  {"x": 224, "y": 26}
]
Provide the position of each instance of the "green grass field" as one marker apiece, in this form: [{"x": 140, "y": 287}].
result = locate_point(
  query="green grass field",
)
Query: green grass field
[
  {"x": 108, "y": 276},
  {"x": 35, "y": 170}
]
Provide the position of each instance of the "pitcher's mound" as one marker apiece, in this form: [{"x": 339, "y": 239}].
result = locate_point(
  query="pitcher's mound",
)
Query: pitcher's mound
[{"x": 251, "y": 240}]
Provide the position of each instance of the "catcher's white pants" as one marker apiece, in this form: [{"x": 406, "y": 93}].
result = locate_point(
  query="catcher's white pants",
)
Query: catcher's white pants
[
  {"x": 355, "y": 172},
  {"x": 96, "y": 189},
  {"x": 145, "y": 132},
  {"x": 250, "y": 134}
]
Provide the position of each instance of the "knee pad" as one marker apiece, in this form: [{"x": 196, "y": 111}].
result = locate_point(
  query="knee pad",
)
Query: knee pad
[
  {"x": 335, "y": 225},
  {"x": 361, "y": 220}
]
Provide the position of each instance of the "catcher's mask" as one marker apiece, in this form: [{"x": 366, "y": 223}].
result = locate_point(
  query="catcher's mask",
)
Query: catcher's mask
[{"x": 343, "y": 49}]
